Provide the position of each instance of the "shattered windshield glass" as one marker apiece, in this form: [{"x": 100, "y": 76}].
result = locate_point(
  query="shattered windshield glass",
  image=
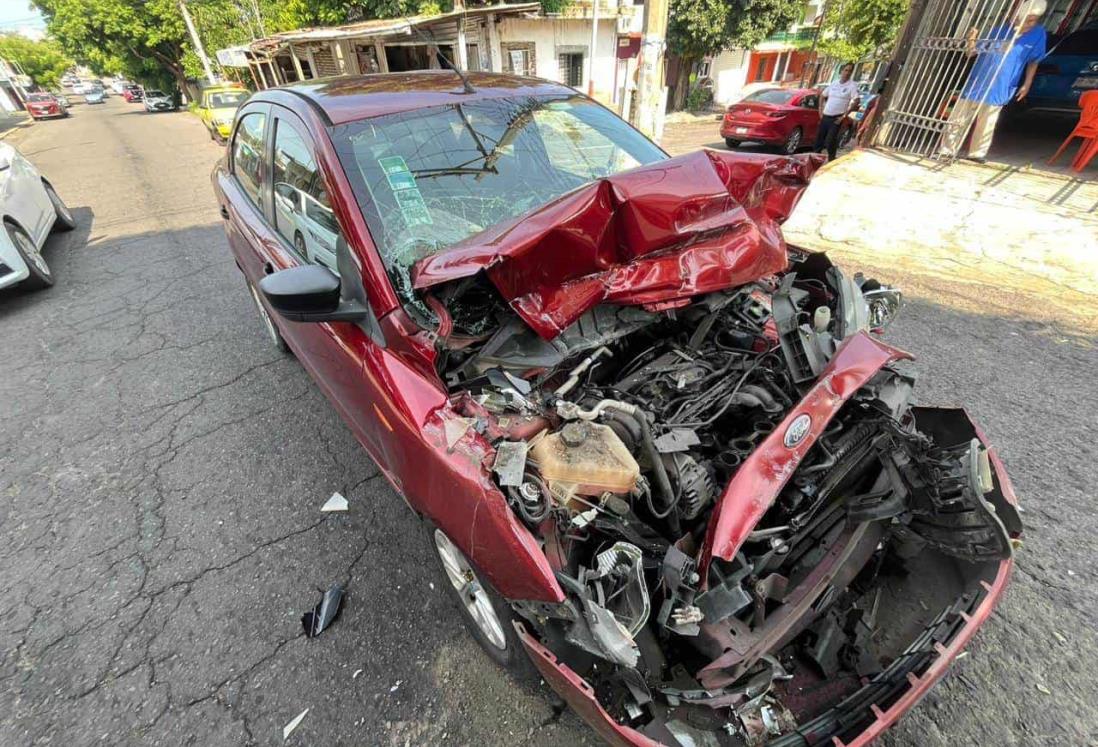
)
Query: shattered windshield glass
[{"x": 430, "y": 178}]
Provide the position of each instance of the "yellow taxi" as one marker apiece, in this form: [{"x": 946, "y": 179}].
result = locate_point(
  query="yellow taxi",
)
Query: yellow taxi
[{"x": 218, "y": 106}]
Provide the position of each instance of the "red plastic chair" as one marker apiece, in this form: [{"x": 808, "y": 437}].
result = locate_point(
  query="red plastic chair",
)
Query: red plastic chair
[{"x": 1087, "y": 128}]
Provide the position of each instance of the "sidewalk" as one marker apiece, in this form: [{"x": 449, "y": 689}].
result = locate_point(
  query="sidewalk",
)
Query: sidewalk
[
  {"x": 1004, "y": 228},
  {"x": 12, "y": 121}
]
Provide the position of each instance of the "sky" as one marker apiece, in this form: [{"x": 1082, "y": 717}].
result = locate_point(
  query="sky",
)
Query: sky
[{"x": 19, "y": 16}]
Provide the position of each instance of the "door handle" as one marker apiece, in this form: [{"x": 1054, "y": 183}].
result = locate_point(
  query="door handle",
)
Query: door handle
[
  {"x": 224, "y": 212},
  {"x": 268, "y": 268}
]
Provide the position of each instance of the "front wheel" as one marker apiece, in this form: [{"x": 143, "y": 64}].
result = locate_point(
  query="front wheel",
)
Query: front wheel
[
  {"x": 731, "y": 143},
  {"x": 65, "y": 221},
  {"x": 793, "y": 142},
  {"x": 268, "y": 324},
  {"x": 40, "y": 274},
  {"x": 485, "y": 613}
]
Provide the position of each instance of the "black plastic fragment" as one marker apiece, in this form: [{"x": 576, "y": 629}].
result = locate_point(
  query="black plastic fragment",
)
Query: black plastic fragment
[{"x": 320, "y": 617}]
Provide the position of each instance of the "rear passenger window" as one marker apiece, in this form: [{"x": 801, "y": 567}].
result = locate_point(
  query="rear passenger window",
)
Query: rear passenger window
[
  {"x": 303, "y": 215},
  {"x": 248, "y": 154}
]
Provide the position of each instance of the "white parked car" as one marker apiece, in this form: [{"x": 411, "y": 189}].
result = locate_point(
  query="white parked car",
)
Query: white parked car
[
  {"x": 314, "y": 225},
  {"x": 81, "y": 87},
  {"x": 30, "y": 209}
]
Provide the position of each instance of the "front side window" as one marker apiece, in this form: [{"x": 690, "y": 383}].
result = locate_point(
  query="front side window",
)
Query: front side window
[
  {"x": 771, "y": 96},
  {"x": 248, "y": 154},
  {"x": 430, "y": 178},
  {"x": 303, "y": 214}
]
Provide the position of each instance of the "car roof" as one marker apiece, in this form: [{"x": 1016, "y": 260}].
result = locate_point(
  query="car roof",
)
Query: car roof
[{"x": 348, "y": 98}]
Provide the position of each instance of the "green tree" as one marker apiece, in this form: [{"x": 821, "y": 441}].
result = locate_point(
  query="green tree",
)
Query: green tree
[
  {"x": 44, "y": 61},
  {"x": 697, "y": 28},
  {"x": 145, "y": 39},
  {"x": 856, "y": 29}
]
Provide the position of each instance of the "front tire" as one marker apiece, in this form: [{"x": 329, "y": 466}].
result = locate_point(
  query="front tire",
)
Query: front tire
[
  {"x": 273, "y": 334},
  {"x": 733, "y": 144},
  {"x": 65, "y": 221},
  {"x": 486, "y": 614},
  {"x": 40, "y": 274}
]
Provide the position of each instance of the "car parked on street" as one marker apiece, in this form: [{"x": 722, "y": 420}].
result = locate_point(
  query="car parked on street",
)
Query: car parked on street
[
  {"x": 158, "y": 101},
  {"x": 1069, "y": 69},
  {"x": 81, "y": 87},
  {"x": 657, "y": 452},
  {"x": 30, "y": 209},
  {"x": 132, "y": 94},
  {"x": 784, "y": 117},
  {"x": 44, "y": 106},
  {"x": 94, "y": 96},
  {"x": 218, "y": 106}
]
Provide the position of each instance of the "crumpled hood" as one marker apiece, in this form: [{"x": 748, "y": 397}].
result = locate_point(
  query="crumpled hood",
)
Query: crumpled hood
[{"x": 693, "y": 224}]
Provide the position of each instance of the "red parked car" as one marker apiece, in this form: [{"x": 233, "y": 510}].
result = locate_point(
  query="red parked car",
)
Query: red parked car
[
  {"x": 133, "y": 94},
  {"x": 784, "y": 117},
  {"x": 44, "y": 106},
  {"x": 659, "y": 453}
]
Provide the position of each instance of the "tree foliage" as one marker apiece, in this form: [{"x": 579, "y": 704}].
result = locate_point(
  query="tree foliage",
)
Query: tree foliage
[
  {"x": 856, "y": 29},
  {"x": 703, "y": 27},
  {"x": 144, "y": 39},
  {"x": 44, "y": 61}
]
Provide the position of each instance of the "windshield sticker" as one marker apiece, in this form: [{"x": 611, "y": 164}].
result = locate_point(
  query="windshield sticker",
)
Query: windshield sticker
[
  {"x": 413, "y": 208},
  {"x": 396, "y": 171}
]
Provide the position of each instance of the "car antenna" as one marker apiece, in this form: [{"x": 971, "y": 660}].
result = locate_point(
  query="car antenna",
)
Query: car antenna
[{"x": 468, "y": 87}]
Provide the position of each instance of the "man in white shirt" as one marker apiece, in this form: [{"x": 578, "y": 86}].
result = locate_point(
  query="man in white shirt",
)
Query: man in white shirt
[{"x": 837, "y": 100}]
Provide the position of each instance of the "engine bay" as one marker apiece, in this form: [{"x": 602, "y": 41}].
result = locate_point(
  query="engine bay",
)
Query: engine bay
[{"x": 619, "y": 441}]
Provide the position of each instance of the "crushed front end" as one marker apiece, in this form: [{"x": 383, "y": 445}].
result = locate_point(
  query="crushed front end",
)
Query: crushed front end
[{"x": 761, "y": 540}]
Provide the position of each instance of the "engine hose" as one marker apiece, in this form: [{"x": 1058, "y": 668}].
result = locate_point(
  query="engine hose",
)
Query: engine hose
[
  {"x": 664, "y": 483},
  {"x": 768, "y": 403}
]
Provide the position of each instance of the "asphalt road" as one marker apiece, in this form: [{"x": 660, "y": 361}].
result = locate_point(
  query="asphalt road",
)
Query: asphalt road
[{"x": 162, "y": 470}]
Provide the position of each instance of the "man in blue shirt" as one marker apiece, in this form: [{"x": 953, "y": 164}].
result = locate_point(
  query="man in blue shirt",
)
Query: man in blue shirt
[{"x": 1003, "y": 71}]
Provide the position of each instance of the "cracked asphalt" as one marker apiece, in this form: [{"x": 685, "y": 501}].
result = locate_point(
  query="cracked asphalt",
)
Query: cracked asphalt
[{"x": 162, "y": 470}]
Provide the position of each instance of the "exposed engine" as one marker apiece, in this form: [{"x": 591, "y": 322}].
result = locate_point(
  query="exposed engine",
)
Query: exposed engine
[{"x": 615, "y": 443}]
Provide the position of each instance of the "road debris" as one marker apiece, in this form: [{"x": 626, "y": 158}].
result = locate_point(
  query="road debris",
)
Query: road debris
[
  {"x": 393, "y": 689},
  {"x": 320, "y": 617},
  {"x": 336, "y": 503},
  {"x": 1044, "y": 689},
  {"x": 356, "y": 674},
  {"x": 288, "y": 729}
]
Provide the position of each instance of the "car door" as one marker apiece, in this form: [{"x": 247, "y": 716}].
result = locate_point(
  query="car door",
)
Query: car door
[
  {"x": 334, "y": 352},
  {"x": 808, "y": 109}
]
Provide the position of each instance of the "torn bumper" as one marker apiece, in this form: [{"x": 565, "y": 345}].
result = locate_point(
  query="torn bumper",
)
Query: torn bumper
[{"x": 865, "y": 715}]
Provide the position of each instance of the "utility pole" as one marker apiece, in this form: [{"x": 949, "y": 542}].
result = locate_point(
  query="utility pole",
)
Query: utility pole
[
  {"x": 646, "y": 112},
  {"x": 198, "y": 48},
  {"x": 594, "y": 45}
]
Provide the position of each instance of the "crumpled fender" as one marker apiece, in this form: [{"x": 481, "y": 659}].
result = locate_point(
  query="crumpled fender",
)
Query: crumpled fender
[
  {"x": 657, "y": 234},
  {"x": 762, "y": 475}
]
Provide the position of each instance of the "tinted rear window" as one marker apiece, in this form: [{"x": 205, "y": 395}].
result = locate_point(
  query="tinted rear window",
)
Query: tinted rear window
[{"x": 771, "y": 96}]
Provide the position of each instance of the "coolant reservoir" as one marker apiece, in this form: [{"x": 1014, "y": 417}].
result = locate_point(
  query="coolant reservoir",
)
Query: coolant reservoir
[{"x": 587, "y": 455}]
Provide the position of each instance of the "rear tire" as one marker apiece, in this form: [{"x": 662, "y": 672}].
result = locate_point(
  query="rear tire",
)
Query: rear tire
[
  {"x": 65, "y": 221},
  {"x": 486, "y": 614},
  {"x": 40, "y": 274},
  {"x": 732, "y": 143},
  {"x": 793, "y": 143}
]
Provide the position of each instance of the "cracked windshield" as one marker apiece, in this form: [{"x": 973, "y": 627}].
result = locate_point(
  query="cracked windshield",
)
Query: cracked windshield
[{"x": 428, "y": 179}]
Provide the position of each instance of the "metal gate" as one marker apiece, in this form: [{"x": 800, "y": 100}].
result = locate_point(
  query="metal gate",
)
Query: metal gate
[{"x": 937, "y": 68}]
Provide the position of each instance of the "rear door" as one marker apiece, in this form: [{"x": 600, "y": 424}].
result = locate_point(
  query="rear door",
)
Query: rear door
[{"x": 808, "y": 114}]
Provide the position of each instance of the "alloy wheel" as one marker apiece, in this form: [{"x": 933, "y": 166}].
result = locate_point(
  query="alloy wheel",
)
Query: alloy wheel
[
  {"x": 31, "y": 252},
  {"x": 470, "y": 590}
]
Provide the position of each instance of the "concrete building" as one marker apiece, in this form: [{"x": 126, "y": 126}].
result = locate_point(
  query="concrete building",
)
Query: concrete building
[
  {"x": 13, "y": 85},
  {"x": 516, "y": 38}
]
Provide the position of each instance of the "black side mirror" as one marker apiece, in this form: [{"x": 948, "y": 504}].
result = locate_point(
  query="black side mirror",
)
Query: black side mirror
[{"x": 313, "y": 293}]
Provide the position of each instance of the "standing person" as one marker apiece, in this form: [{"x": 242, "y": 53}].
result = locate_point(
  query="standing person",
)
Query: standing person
[
  {"x": 837, "y": 100},
  {"x": 1011, "y": 56}
]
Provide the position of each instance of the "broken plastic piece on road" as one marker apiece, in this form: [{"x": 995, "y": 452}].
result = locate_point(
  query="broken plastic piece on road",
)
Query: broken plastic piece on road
[
  {"x": 356, "y": 674},
  {"x": 321, "y": 616},
  {"x": 1044, "y": 689},
  {"x": 288, "y": 729},
  {"x": 336, "y": 503},
  {"x": 393, "y": 689}
]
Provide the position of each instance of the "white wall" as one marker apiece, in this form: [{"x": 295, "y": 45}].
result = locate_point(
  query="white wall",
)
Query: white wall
[
  {"x": 550, "y": 34},
  {"x": 729, "y": 72}
]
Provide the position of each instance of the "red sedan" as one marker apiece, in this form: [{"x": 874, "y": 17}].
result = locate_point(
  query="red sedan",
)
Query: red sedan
[
  {"x": 44, "y": 106},
  {"x": 133, "y": 94},
  {"x": 784, "y": 117},
  {"x": 658, "y": 453}
]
